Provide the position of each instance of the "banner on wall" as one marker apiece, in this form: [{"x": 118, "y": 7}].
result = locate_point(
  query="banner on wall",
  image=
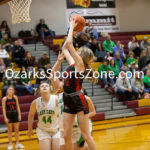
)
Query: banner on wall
[
  {"x": 90, "y": 4},
  {"x": 104, "y": 20}
]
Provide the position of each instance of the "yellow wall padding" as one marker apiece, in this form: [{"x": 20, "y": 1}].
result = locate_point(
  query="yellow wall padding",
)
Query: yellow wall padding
[
  {"x": 0, "y": 93},
  {"x": 1, "y": 85},
  {"x": 33, "y": 81},
  {"x": 15, "y": 65},
  {"x": 10, "y": 56},
  {"x": 141, "y": 37},
  {"x": 58, "y": 42},
  {"x": 17, "y": 69},
  {"x": 95, "y": 65},
  {"x": 144, "y": 102}
]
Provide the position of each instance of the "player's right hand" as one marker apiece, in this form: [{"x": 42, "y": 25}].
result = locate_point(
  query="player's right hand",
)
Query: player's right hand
[
  {"x": 6, "y": 120},
  {"x": 30, "y": 133}
]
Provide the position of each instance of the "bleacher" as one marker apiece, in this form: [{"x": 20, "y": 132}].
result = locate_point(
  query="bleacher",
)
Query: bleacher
[{"x": 102, "y": 99}]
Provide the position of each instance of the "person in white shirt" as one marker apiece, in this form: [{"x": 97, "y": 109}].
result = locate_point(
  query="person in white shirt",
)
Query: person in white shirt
[
  {"x": 144, "y": 43},
  {"x": 134, "y": 46},
  {"x": 4, "y": 54},
  {"x": 123, "y": 87}
]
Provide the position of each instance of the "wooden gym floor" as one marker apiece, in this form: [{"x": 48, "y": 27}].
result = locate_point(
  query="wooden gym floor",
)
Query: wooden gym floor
[{"x": 119, "y": 134}]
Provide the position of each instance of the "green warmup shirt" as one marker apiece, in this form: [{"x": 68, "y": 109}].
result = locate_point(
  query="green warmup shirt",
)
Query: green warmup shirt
[
  {"x": 146, "y": 80},
  {"x": 108, "y": 45},
  {"x": 115, "y": 69},
  {"x": 103, "y": 68},
  {"x": 23, "y": 79},
  {"x": 4, "y": 41},
  {"x": 130, "y": 60}
]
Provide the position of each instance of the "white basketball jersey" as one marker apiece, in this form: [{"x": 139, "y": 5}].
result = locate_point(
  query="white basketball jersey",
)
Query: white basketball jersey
[
  {"x": 47, "y": 115},
  {"x": 61, "y": 107}
]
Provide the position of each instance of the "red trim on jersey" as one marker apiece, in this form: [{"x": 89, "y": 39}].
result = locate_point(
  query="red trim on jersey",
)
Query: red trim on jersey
[
  {"x": 84, "y": 103},
  {"x": 72, "y": 65},
  {"x": 77, "y": 82}
]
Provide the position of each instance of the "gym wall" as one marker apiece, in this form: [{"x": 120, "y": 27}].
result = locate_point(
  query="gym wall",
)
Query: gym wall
[{"x": 133, "y": 14}]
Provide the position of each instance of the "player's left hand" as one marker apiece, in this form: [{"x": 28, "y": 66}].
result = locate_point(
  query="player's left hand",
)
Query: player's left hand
[
  {"x": 73, "y": 23},
  {"x": 61, "y": 57}
]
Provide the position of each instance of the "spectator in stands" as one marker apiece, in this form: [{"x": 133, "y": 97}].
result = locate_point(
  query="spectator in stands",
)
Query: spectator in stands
[
  {"x": 133, "y": 45},
  {"x": 81, "y": 40},
  {"x": 103, "y": 70},
  {"x": 6, "y": 43},
  {"x": 146, "y": 81},
  {"x": 142, "y": 60},
  {"x": 114, "y": 68},
  {"x": 119, "y": 48},
  {"x": 9, "y": 77},
  {"x": 44, "y": 62},
  {"x": 41, "y": 77},
  {"x": 146, "y": 96},
  {"x": 108, "y": 45},
  {"x": 95, "y": 46},
  {"x": 91, "y": 31},
  {"x": 146, "y": 68},
  {"x": 137, "y": 86},
  {"x": 123, "y": 87},
  {"x": 18, "y": 53},
  {"x": 118, "y": 61},
  {"x": 144, "y": 43},
  {"x": 4, "y": 54},
  {"x": 4, "y": 28},
  {"x": 132, "y": 69},
  {"x": 2, "y": 69},
  {"x": 108, "y": 57},
  {"x": 24, "y": 79},
  {"x": 43, "y": 30},
  {"x": 29, "y": 62},
  {"x": 131, "y": 60},
  {"x": 148, "y": 54}
]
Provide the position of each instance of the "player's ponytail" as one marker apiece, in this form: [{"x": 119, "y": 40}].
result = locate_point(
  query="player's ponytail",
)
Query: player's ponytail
[{"x": 91, "y": 75}]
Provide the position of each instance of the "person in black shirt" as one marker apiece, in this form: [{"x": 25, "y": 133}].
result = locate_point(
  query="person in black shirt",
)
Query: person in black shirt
[
  {"x": 18, "y": 53},
  {"x": 29, "y": 62},
  {"x": 43, "y": 30},
  {"x": 95, "y": 45},
  {"x": 41, "y": 77}
]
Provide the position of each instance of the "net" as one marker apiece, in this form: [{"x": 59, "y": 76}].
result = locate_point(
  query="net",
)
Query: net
[{"x": 20, "y": 10}]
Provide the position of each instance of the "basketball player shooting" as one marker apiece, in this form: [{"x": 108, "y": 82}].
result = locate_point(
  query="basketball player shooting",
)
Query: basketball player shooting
[{"x": 74, "y": 99}]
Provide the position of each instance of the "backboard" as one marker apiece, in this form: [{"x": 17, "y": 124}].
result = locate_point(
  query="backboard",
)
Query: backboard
[{"x": 4, "y": 1}]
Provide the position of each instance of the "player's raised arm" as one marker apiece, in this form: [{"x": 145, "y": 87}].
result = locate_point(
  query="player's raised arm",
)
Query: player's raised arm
[
  {"x": 69, "y": 45},
  {"x": 57, "y": 84},
  {"x": 68, "y": 56}
]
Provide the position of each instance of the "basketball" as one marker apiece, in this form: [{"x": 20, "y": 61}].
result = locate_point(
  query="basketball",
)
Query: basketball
[{"x": 80, "y": 22}]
